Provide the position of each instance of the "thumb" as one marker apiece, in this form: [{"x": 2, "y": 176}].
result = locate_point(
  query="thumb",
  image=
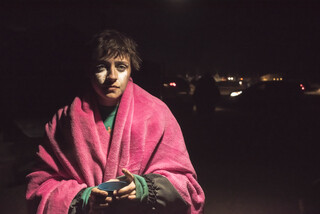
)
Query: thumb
[{"x": 129, "y": 175}]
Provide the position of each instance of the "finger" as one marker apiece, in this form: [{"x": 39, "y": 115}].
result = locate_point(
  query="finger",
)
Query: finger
[
  {"x": 98, "y": 192},
  {"x": 122, "y": 197},
  {"x": 104, "y": 205},
  {"x": 132, "y": 197},
  {"x": 133, "y": 192},
  {"x": 108, "y": 199},
  {"x": 114, "y": 179},
  {"x": 128, "y": 175},
  {"x": 95, "y": 201},
  {"x": 126, "y": 190},
  {"x": 126, "y": 195},
  {"x": 99, "y": 207}
]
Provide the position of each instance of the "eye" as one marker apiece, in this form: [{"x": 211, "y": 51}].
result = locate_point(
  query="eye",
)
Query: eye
[
  {"x": 101, "y": 67},
  {"x": 122, "y": 67}
]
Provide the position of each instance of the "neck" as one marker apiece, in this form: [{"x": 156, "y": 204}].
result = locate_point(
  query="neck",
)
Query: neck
[{"x": 104, "y": 102}]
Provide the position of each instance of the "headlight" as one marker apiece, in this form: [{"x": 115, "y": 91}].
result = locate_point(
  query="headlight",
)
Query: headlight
[{"x": 235, "y": 93}]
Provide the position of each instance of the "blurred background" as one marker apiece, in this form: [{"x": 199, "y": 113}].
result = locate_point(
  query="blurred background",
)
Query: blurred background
[{"x": 241, "y": 77}]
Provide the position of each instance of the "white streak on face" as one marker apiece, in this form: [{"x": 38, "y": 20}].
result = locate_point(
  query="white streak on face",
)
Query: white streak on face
[
  {"x": 110, "y": 79},
  {"x": 101, "y": 76}
]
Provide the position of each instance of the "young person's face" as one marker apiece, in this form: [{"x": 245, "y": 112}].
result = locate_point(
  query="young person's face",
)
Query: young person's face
[{"x": 109, "y": 79}]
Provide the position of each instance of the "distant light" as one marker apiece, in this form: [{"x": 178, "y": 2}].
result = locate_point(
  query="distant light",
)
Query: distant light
[
  {"x": 241, "y": 78},
  {"x": 230, "y": 78},
  {"x": 235, "y": 93},
  {"x": 302, "y": 87},
  {"x": 173, "y": 84},
  {"x": 240, "y": 82},
  {"x": 281, "y": 78}
]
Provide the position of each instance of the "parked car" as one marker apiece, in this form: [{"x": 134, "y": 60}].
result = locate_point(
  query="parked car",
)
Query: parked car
[
  {"x": 174, "y": 86},
  {"x": 269, "y": 95},
  {"x": 175, "y": 92},
  {"x": 226, "y": 87}
]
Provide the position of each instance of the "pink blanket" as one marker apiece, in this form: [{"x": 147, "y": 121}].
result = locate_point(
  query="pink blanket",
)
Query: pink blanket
[{"x": 79, "y": 154}]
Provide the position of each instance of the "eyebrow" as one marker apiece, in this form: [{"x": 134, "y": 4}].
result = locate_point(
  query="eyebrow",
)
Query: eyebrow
[
  {"x": 117, "y": 61},
  {"x": 122, "y": 61}
]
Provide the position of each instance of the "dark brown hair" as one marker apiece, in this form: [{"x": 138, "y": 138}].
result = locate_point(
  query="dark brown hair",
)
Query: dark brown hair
[{"x": 111, "y": 43}]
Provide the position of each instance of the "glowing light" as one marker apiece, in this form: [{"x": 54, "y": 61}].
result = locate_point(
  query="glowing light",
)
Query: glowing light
[
  {"x": 241, "y": 78},
  {"x": 240, "y": 82},
  {"x": 173, "y": 84},
  {"x": 302, "y": 87},
  {"x": 235, "y": 93},
  {"x": 230, "y": 78}
]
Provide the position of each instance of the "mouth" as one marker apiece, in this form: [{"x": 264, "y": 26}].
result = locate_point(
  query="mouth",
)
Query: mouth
[{"x": 111, "y": 87}]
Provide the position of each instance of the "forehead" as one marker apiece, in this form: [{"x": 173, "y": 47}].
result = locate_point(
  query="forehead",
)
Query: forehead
[{"x": 120, "y": 58}]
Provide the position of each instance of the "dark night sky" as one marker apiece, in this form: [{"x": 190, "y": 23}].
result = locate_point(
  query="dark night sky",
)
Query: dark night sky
[
  {"x": 185, "y": 35},
  {"x": 40, "y": 41}
]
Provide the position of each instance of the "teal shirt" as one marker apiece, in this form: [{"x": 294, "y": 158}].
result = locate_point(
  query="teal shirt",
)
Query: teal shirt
[{"x": 108, "y": 115}]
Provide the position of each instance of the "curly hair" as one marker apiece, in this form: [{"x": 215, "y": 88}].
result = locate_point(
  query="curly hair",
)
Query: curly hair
[{"x": 111, "y": 43}]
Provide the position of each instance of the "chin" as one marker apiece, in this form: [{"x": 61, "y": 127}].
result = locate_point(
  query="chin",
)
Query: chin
[{"x": 111, "y": 97}]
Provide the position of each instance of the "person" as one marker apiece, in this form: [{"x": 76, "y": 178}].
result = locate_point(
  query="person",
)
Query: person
[
  {"x": 206, "y": 96},
  {"x": 116, "y": 131}
]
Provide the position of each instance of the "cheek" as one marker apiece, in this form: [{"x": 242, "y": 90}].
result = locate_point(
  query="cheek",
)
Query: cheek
[
  {"x": 100, "y": 77},
  {"x": 124, "y": 79}
]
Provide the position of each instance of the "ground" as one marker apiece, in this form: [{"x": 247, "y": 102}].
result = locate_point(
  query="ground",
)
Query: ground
[{"x": 246, "y": 164}]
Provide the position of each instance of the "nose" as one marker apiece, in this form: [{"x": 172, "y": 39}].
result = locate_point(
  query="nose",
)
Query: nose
[{"x": 112, "y": 74}]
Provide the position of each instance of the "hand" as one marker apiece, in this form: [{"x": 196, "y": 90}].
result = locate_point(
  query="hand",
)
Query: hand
[
  {"x": 98, "y": 200},
  {"x": 128, "y": 191}
]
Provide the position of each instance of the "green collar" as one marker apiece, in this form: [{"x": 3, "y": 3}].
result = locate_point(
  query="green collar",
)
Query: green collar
[{"x": 108, "y": 114}]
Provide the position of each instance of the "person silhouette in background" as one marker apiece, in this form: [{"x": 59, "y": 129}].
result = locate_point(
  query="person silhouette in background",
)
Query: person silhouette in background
[{"x": 206, "y": 96}]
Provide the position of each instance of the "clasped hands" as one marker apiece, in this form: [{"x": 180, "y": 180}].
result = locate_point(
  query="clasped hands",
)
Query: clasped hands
[{"x": 100, "y": 199}]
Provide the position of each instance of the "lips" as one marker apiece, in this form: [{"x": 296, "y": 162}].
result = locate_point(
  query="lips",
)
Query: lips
[{"x": 112, "y": 87}]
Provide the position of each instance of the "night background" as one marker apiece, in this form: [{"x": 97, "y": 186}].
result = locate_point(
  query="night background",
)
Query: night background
[{"x": 248, "y": 161}]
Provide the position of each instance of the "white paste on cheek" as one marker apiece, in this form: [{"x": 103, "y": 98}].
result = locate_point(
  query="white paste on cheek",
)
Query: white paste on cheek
[{"x": 101, "y": 77}]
